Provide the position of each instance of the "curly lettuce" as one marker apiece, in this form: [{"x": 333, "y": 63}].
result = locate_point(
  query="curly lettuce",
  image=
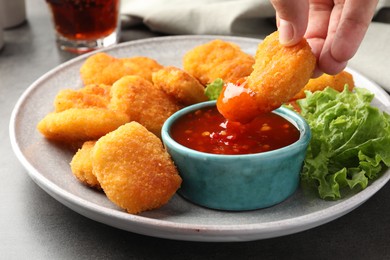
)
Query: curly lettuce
[
  {"x": 350, "y": 140},
  {"x": 214, "y": 88}
]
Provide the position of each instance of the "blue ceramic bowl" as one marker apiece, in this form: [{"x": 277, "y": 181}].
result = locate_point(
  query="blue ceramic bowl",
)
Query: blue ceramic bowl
[{"x": 238, "y": 182}]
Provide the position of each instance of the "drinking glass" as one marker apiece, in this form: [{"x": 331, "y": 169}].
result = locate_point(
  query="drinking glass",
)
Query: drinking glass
[{"x": 85, "y": 25}]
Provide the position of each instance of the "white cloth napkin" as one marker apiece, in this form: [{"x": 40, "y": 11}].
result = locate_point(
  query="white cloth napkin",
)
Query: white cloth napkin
[
  {"x": 200, "y": 16},
  {"x": 253, "y": 18}
]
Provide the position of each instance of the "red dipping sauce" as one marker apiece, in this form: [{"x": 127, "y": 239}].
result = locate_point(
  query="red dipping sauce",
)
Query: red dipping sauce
[{"x": 206, "y": 130}]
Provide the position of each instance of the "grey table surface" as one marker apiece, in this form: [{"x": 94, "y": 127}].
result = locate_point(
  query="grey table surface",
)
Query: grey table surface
[{"x": 33, "y": 225}]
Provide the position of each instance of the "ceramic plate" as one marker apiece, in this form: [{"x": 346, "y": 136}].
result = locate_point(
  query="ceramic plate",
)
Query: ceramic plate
[{"x": 48, "y": 164}]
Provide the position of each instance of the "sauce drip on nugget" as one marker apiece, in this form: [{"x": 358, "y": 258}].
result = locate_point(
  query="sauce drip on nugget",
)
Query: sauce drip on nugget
[{"x": 278, "y": 74}]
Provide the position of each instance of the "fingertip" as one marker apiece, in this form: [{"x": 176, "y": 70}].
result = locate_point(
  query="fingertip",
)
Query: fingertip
[
  {"x": 292, "y": 18},
  {"x": 317, "y": 73},
  {"x": 328, "y": 63},
  {"x": 286, "y": 32},
  {"x": 287, "y": 35},
  {"x": 316, "y": 45},
  {"x": 332, "y": 67}
]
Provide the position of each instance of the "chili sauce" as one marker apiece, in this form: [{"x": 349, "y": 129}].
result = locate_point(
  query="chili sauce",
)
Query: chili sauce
[{"x": 206, "y": 130}]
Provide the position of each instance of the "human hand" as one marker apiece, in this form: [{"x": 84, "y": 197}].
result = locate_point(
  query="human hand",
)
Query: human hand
[{"x": 333, "y": 28}]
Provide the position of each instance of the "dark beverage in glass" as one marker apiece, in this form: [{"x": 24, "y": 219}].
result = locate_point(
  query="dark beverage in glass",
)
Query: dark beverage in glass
[{"x": 84, "y": 25}]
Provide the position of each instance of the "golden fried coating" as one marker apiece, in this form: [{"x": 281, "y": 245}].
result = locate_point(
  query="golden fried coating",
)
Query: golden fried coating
[
  {"x": 218, "y": 59},
  {"x": 134, "y": 170},
  {"x": 80, "y": 124},
  {"x": 142, "y": 66},
  {"x": 180, "y": 85},
  {"x": 142, "y": 102},
  {"x": 279, "y": 73},
  {"x": 102, "y": 68},
  {"x": 81, "y": 165},
  {"x": 337, "y": 82},
  {"x": 89, "y": 96}
]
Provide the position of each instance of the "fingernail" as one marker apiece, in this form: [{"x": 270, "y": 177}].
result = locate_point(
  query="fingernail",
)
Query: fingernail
[{"x": 286, "y": 32}]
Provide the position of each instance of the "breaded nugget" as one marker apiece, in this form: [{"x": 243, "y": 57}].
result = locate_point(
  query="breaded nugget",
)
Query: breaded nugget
[
  {"x": 279, "y": 73},
  {"x": 142, "y": 66},
  {"x": 336, "y": 82},
  {"x": 134, "y": 170},
  {"x": 142, "y": 102},
  {"x": 217, "y": 59},
  {"x": 80, "y": 124},
  {"x": 89, "y": 96},
  {"x": 102, "y": 68},
  {"x": 81, "y": 165},
  {"x": 180, "y": 85}
]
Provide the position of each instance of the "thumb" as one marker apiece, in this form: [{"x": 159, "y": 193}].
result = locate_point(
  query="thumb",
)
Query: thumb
[{"x": 292, "y": 17}]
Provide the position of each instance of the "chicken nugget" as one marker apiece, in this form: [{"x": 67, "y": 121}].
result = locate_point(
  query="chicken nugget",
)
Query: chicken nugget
[
  {"x": 134, "y": 170},
  {"x": 218, "y": 59},
  {"x": 180, "y": 85},
  {"x": 142, "y": 66},
  {"x": 80, "y": 124},
  {"x": 279, "y": 73},
  {"x": 102, "y": 68},
  {"x": 81, "y": 165},
  {"x": 142, "y": 102},
  {"x": 89, "y": 96},
  {"x": 336, "y": 82}
]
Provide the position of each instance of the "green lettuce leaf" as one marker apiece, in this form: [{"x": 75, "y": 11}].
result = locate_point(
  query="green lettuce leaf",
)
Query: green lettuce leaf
[
  {"x": 213, "y": 89},
  {"x": 350, "y": 140}
]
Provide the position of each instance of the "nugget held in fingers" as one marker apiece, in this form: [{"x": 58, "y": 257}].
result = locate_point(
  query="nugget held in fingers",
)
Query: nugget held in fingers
[
  {"x": 134, "y": 170},
  {"x": 142, "y": 102},
  {"x": 279, "y": 73},
  {"x": 80, "y": 124},
  {"x": 218, "y": 59},
  {"x": 180, "y": 85},
  {"x": 336, "y": 82},
  {"x": 81, "y": 165}
]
